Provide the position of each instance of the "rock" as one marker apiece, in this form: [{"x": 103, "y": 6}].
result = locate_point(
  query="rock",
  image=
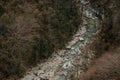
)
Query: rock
[
  {"x": 40, "y": 72},
  {"x": 36, "y": 78},
  {"x": 62, "y": 77},
  {"x": 28, "y": 77},
  {"x": 35, "y": 72},
  {"x": 81, "y": 39},
  {"x": 67, "y": 64},
  {"x": 77, "y": 35},
  {"x": 71, "y": 51},
  {"x": 83, "y": 30},
  {"x": 72, "y": 48}
]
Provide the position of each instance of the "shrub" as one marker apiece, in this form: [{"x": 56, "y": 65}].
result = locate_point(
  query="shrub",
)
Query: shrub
[{"x": 31, "y": 37}]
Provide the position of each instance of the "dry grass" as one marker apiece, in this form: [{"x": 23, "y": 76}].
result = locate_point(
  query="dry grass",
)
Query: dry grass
[
  {"x": 105, "y": 68},
  {"x": 31, "y": 30}
]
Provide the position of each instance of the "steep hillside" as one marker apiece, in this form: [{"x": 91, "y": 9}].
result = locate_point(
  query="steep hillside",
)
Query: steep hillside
[{"x": 30, "y": 30}]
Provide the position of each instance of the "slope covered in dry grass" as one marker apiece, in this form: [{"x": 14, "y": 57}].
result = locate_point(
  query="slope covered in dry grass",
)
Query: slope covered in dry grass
[{"x": 30, "y": 30}]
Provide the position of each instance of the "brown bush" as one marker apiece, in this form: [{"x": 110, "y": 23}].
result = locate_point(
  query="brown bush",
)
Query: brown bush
[
  {"x": 107, "y": 67},
  {"x": 32, "y": 30}
]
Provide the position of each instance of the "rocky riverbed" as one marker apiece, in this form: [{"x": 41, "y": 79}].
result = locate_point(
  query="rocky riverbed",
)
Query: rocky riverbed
[{"x": 71, "y": 61}]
